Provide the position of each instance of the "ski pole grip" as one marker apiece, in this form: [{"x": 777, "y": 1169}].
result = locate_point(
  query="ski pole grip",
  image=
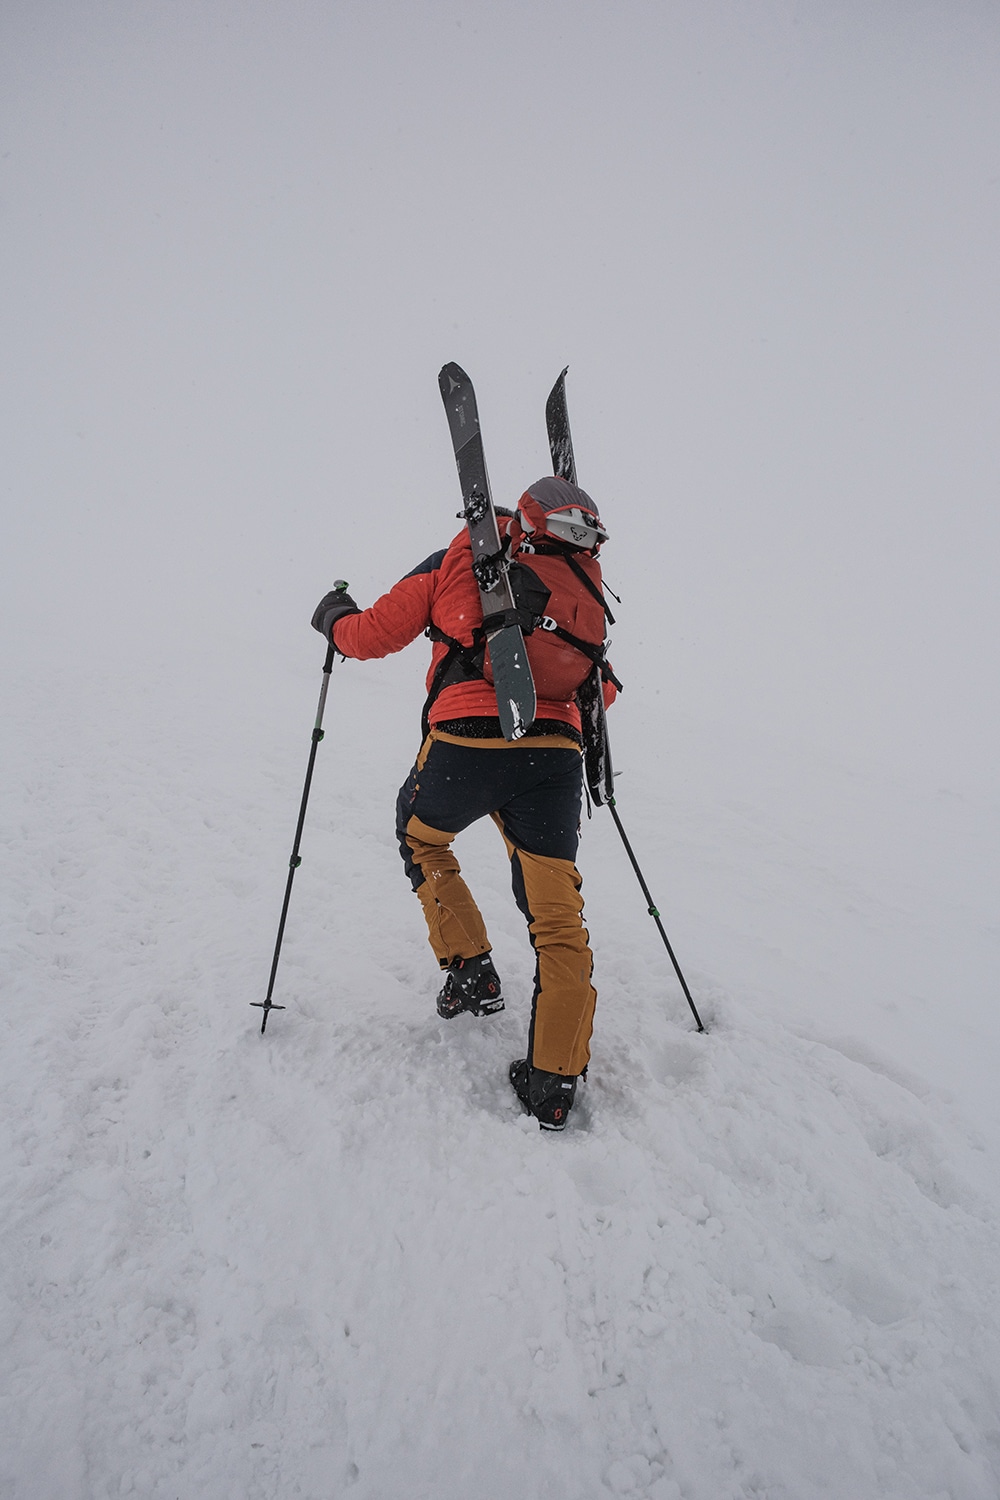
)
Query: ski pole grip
[{"x": 340, "y": 586}]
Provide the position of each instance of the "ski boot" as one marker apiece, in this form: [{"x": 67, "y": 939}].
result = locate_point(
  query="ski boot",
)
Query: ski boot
[
  {"x": 473, "y": 985},
  {"x": 547, "y": 1096}
]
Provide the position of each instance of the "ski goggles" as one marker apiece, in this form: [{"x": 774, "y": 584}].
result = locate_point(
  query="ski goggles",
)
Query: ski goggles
[{"x": 581, "y": 528}]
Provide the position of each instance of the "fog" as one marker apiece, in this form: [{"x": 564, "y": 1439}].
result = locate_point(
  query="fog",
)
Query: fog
[{"x": 240, "y": 240}]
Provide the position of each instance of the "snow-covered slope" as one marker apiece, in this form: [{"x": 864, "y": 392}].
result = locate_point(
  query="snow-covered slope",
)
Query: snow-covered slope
[{"x": 338, "y": 1260}]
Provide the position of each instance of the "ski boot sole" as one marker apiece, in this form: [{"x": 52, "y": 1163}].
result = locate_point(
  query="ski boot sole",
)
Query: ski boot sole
[{"x": 488, "y": 1008}]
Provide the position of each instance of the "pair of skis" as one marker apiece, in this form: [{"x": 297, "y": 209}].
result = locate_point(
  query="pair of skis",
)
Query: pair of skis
[{"x": 512, "y": 679}]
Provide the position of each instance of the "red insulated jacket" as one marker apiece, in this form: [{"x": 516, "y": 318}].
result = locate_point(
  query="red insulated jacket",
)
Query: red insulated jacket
[{"x": 442, "y": 591}]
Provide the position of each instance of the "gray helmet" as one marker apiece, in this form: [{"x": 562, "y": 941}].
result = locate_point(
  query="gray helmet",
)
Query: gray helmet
[{"x": 563, "y": 511}]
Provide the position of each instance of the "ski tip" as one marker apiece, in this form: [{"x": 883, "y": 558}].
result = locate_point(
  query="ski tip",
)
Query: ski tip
[
  {"x": 451, "y": 377},
  {"x": 558, "y": 388}
]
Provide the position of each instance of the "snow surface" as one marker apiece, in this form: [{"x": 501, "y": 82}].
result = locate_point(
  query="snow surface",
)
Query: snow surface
[
  {"x": 239, "y": 242},
  {"x": 338, "y": 1259}
]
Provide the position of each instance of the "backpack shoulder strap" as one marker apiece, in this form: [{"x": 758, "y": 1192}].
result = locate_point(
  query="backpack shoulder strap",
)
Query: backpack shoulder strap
[
  {"x": 552, "y": 548},
  {"x": 590, "y": 586}
]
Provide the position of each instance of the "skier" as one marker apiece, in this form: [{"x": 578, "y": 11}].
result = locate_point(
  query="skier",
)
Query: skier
[{"x": 531, "y": 787}]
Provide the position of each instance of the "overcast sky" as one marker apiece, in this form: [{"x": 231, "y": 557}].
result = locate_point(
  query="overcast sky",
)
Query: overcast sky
[{"x": 239, "y": 240}]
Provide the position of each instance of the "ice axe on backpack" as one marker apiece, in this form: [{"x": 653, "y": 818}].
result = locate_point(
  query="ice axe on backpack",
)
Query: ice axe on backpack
[{"x": 600, "y": 776}]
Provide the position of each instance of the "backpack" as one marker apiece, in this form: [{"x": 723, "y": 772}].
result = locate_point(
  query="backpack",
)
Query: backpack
[{"x": 561, "y": 610}]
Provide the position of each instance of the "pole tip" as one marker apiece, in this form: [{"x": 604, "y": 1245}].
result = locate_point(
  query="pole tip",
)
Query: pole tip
[{"x": 266, "y": 1006}]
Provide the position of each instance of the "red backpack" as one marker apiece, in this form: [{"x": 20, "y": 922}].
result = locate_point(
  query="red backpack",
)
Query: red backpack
[
  {"x": 559, "y": 599},
  {"x": 566, "y": 635}
]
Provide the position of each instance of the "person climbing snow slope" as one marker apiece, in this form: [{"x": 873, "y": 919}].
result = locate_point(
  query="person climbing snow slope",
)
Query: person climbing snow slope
[{"x": 531, "y": 787}]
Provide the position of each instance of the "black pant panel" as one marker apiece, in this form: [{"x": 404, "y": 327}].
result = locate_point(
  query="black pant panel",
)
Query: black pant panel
[{"x": 537, "y": 793}]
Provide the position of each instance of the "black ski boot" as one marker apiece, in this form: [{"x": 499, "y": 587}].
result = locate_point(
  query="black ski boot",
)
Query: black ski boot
[
  {"x": 473, "y": 985},
  {"x": 547, "y": 1096}
]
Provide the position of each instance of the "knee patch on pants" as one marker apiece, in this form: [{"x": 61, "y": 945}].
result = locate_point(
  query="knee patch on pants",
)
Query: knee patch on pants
[{"x": 454, "y": 922}]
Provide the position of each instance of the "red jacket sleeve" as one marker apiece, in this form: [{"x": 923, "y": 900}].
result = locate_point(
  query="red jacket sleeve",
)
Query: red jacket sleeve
[{"x": 392, "y": 622}]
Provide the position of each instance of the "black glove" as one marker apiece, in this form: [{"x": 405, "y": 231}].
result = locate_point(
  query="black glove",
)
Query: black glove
[{"x": 330, "y": 608}]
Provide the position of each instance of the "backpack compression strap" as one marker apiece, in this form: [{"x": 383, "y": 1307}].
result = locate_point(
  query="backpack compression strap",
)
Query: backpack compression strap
[{"x": 596, "y": 653}]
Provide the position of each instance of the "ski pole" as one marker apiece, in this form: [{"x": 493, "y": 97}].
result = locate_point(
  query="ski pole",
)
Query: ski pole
[
  {"x": 653, "y": 911},
  {"x": 267, "y": 1005}
]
